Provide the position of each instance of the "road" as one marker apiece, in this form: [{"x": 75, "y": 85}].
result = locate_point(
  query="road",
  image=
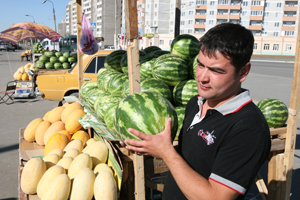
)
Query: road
[{"x": 267, "y": 79}]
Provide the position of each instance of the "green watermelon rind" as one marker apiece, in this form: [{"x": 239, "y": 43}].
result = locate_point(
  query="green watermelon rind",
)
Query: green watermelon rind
[
  {"x": 113, "y": 60},
  {"x": 184, "y": 91}
]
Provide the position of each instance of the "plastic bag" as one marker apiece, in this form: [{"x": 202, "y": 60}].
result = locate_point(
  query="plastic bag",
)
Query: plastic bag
[{"x": 87, "y": 43}]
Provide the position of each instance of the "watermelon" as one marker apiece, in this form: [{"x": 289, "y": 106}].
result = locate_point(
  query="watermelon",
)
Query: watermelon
[
  {"x": 192, "y": 67},
  {"x": 58, "y": 54},
  {"x": 104, "y": 77},
  {"x": 72, "y": 60},
  {"x": 161, "y": 52},
  {"x": 49, "y": 65},
  {"x": 44, "y": 59},
  {"x": 115, "y": 83},
  {"x": 146, "y": 112},
  {"x": 150, "y": 85},
  {"x": 109, "y": 116},
  {"x": 170, "y": 68},
  {"x": 66, "y": 65},
  {"x": 39, "y": 65},
  {"x": 180, "y": 110},
  {"x": 86, "y": 87},
  {"x": 124, "y": 64},
  {"x": 49, "y": 53},
  {"x": 57, "y": 65},
  {"x": 113, "y": 60},
  {"x": 66, "y": 54},
  {"x": 53, "y": 59},
  {"x": 105, "y": 103},
  {"x": 92, "y": 96},
  {"x": 184, "y": 91},
  {"x": 185, "y": 45},
  {"x": 99, "y": 98},
  {"x": 146, "y": 65},
  {"x": 151, "y": 49},
  {"x": 63, "y": 59},
  {"x": 275, "y": 112}
]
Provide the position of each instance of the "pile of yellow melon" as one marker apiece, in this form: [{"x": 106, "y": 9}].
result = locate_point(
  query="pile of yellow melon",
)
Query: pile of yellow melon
[
  {"x": 74, "y": 165},
  {"x": 22, "y": 72}
]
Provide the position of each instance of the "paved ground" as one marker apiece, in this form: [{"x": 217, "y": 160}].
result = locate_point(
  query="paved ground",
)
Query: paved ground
[{"x": 19, "y": 114}]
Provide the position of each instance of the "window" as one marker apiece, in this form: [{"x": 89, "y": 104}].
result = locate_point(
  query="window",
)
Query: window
[
  {"x": 245, "y": 3},
  {"x": 211, "y": 22},
  {"x": 275, "y": 34},
  {"x": 161, "y": 42},
  {"x": 275, "y": 47},
  {"x": 244, "y": 13},
  {"x": 183, "y": 14},
  {"x": 255, "y": 3},
  {"x": 266, "y": 46},
  {"x": 212, "y": 3},
  {"x": 257, "y": 12},
  {"x": 243, "y": 23},
  {"x": 266, "y": 14},
  {"x": 190, "y": 30},
  {"x": 288, "y": 33},
  {"x": 181, "y": 22},
  {"x": 211, "y": 12},
  {"x": 278, "y": 5},
  {"x": 276, "y": 24},
  {"x": 190, "y": 22},
  {"x": 277, "y": 14},
  {"x": 222, "y": 2},
  {"x": 181, "y": 31},
  {"x": 264, "y": 33},
  {"x": 191, "y": 12},
  {"x": 255, "y": 46},
  {"x": 268, "y": 4},
  {"x": 288, "y": 47},
  {"x": 265, "y": 24},
  {"x": 192, "y": 3},
  {"x": 290, "y": 14},
  {"x": 201, "y": 2}
]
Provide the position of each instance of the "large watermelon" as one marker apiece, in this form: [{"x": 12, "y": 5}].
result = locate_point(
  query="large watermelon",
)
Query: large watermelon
[
  {"x": 113, "y": 60},
  {"x": 275, "y": 112},
  {"x": 115, "y": 83},
  {"x": 124, "y": 63},
  {"x": 109, "y": 116},
  {"x": 146, "y": 112},
  {"x": 92, "y": 96},
  {"x": 105, "y": 103},
  {"x": 170, "y": 68},
  {"x": 151, "y": 49},
  {"x": 160, "y": 52},
  {"x": 180, "y": 115},
  {"x": 146, "y": 65},
  {"x": 186, "y": 46},
  {"x": 184, "y": 91},
  {"x": 192, "y": 67},
  {"x": 150, "y": 85},
  {"x": 86, "y": 87},
  {"x": 104, "y": 77}
]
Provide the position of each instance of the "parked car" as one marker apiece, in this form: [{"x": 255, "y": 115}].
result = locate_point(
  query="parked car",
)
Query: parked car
[
  {"x": 109, "y": 48},
  {"x": 55, "y": 84},
  {"x": 10, "y": 47},
  {"x": 3, "y": 46}
]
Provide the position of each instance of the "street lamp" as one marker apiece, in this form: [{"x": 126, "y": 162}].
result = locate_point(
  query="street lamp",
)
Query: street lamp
[
  {"x": 53, "y": 13},
  {"x": 31, "y": 16}
]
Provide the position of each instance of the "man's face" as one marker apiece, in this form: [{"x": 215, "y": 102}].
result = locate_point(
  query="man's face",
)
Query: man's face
[{"x": 217, "y": 80}]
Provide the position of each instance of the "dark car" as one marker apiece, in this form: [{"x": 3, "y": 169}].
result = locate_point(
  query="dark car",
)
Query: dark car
[{"x": 10, "y": 47}]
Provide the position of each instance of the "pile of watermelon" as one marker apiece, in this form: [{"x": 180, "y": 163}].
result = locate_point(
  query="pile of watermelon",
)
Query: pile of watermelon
[
  {"x": 167, "y": 83},
  {"x": 55, "y": 60},
  {"x": 38, "y": 48}
]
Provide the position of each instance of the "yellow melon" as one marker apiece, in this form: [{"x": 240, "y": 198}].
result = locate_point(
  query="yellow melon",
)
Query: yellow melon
[
  {"x": 67, "y": 133},
  {"x": 29, "y": 133},
  {"x": 51, "y": 160},
  {"x": 65, "y": 162},
  {"x": 66, "y": 104},
  {"x": 56, "y": 141},
  {"x": 98, "y": 152},
  {"x": 90, "y": 141},
  {"x": 81, "y": 135},
  {"x": 25, "y": 77},
  {"x": 55, "y": 114},
  {"x": 74, "y": 144},
  {"x": 40, "y": 132},
  {"x": 69, "y": 109},
  {"x": 54, "y": 128},
  {"x": 71, "y": 153},
  {"x": 58, "y": 152},
  {"x": 72, "y": 124},
  {"x": 81, "y": 161},
  {"x": 58, "y": 188},
  {"x": 105, "y": 186}
]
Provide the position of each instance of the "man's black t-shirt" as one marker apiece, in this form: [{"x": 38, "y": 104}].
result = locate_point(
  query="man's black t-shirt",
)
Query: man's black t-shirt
[{"x": 228, "y": 145}]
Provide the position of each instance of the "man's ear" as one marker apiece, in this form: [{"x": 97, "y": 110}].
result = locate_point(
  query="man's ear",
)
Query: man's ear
[{"x": 244, "y": 72}]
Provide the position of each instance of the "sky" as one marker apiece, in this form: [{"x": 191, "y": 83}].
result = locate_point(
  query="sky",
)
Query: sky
[{"x": 14, "y": 11}]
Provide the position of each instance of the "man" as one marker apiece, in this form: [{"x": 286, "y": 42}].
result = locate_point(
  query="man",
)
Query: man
[{"x": 225, "y": 138}]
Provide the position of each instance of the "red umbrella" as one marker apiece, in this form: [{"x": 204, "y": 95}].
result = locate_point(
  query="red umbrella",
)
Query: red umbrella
[{"x": 19, "y": 35}]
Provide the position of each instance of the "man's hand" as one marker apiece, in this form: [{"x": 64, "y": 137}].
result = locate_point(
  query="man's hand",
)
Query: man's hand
[{"x": 155, "y": 145}]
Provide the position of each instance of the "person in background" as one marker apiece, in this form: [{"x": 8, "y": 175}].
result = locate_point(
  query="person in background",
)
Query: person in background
[
  {"x": 224, "y": 139},
  {"x": 120, "y": 47}
]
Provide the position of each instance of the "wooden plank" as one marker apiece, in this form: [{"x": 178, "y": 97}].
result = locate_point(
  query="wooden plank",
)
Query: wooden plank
[
  {"x": 155, "y": 186},
  {"x": 292, "y": 122},
  {"x": 177, "y": 18},
  {"x": 278, "y": 131},
  {"x": 79, "y": 53},
  {"x": 134, "y": 85},
  {"x": 272, "y": 177},
  {"x": 280, "y": 176},
  {"x": 261, "y": 186},
  {"x": 277, "y": 145}
]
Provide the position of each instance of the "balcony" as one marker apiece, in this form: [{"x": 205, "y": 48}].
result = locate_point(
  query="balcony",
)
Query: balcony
[
  {"x": 225, "y": 7},
  {"x": 200, "y": 16},
  {"x": 255, "y": 27},
  {"x": 199, "y": 26},
  {"x": 203, "y": 7},
  {"x": 234, "y": 16},
  {"x": 235, "y": 7},
  {"x": 257, "y": 8},
  {"x": 224, "y": 16},
  {"x": 289, "y": 18},
  {"x": 255, "y": 17},
  {"x": 290, "y": 8},
  {"x": 288, "y": 28}
]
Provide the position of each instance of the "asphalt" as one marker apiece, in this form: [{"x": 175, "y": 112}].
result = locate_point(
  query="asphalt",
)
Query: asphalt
[{"x": 18, "y": 115}]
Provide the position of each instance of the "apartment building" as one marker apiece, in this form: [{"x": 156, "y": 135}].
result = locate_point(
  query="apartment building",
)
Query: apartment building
[{"x": 104, "y": 15}]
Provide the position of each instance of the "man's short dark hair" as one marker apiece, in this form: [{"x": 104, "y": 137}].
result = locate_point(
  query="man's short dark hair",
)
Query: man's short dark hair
[{"x": 233, "y": 41}]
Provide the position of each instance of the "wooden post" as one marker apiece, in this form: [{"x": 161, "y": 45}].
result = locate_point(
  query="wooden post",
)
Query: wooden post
[
  {"x": 134, "y": 84},
  {"x": 177, "y": 18},
  {"x": 292, "y": 124},
  {"x": 79, "y": 53}
]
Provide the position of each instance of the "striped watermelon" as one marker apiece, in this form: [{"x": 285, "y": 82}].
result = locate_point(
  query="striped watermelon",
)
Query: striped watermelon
[
  {"x": 146, "y": 65},
  {"x": 180, "y": 115},
  {"x": 86, "y": 87},
  {"x": 161, "y": 52},
  {"x": 104, "y": 77},
  {"x": 113, "y": 60},
  {"x": 170, "y": 68},
  {"x": 124, "y": 63},
  {"x": 150, "y": 85},
  {"x": 109, "y": 116},
  {"x": 115, "y": 83},
  {"x": 105, "y": 103},
  {"x": 92, "y": 96},
  {"x": 184, "y": 91},
  {"x": 146, "y": 112},
  {"x": 151, "y": 49},
  {"x": 99, "y": 98},
  {"x": 186, "y": 46},
  {"x": 192, "y": 67},
  {"x": 275, "y": 112}
]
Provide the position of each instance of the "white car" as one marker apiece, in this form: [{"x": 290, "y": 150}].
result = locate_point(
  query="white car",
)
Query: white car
[{"x": 109, "y": 48}]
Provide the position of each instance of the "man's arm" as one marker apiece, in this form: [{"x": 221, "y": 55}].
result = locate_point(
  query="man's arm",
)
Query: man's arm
[{"x": 192, "y": 184}]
